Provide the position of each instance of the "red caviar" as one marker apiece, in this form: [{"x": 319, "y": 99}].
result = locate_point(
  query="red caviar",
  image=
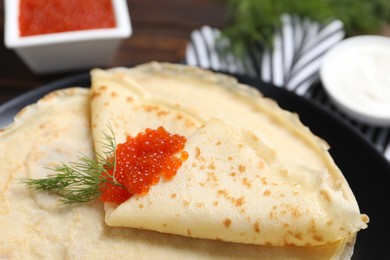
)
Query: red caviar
[
  {"x": 52, "y": 16},
  {"x": 140, "y": 162}
]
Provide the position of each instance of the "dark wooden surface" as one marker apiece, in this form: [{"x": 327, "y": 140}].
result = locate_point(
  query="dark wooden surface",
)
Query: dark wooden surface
[{"x": 161, "y": 30}]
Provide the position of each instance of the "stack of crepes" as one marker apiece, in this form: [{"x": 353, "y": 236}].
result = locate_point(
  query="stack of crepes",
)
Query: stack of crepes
[{"x": 256, "y": 184}]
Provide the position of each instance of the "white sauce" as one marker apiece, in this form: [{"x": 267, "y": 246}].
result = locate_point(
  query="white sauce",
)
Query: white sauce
[{"x": 360, "y": 76}]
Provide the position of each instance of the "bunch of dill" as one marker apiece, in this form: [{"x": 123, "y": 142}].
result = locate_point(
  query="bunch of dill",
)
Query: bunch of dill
[{"x": 254, "y": 21}]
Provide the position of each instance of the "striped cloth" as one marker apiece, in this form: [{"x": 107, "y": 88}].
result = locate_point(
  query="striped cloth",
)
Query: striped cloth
[{"x": 292, "y": 64}]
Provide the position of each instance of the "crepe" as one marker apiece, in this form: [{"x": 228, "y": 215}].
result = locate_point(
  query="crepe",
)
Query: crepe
[
  {"x": 255, "y": 174},
  {"x": 35, "y": 226},
  {"x": 57, "y": 129},
  {"x": 54, "y": 130}
]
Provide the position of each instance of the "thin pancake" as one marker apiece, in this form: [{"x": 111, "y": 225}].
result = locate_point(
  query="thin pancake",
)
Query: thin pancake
[
  {"x": 230, "y": 190},
  {"x": 34, "y": 226},
  {"x": 288, "y": 150}
]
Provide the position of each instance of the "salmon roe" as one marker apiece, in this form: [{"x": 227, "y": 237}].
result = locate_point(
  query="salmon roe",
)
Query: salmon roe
[
  {"x": 53, "y": 16},
  {"x": 141, "y": 161}
]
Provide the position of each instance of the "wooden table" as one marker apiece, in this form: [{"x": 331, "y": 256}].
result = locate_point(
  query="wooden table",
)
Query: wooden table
[{"x": 161, "y": 30}]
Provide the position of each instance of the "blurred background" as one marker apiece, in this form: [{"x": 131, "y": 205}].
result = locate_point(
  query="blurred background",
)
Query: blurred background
[{"x": 162, "y": 30}]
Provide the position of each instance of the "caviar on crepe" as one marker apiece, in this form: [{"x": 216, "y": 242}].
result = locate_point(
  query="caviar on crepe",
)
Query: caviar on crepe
[
  {"x": 140, "y": 162},
  {"x": 129, "y": 168}
]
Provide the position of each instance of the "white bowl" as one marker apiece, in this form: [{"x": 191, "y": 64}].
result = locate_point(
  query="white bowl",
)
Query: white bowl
[
  {"x": 356, "y": 75},
  {"x": 48, "y": 53}
]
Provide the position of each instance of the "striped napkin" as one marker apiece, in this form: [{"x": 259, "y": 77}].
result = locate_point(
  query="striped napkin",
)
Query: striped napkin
[{"x": 293, "y": 63}]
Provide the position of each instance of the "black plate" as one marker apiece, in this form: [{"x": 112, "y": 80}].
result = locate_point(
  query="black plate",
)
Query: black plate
[{"x": 366, "y": 170}]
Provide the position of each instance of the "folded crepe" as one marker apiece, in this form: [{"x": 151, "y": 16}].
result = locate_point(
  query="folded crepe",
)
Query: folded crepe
[
  {"x": 255, "y": 174},
  {"x": 57, "y": 130}
]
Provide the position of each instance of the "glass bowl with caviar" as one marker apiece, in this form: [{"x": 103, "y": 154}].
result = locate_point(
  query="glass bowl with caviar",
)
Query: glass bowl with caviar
[{"x": 62, "y": 35}]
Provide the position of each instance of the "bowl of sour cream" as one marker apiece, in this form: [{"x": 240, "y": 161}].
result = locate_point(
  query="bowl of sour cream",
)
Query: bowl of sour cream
[{"x": 356, "y": 75}]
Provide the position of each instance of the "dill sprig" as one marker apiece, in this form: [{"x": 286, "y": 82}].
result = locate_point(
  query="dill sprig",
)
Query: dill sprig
[
  {"x": 81, "y": 181},
  {"x": 252, "y": 22}
]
